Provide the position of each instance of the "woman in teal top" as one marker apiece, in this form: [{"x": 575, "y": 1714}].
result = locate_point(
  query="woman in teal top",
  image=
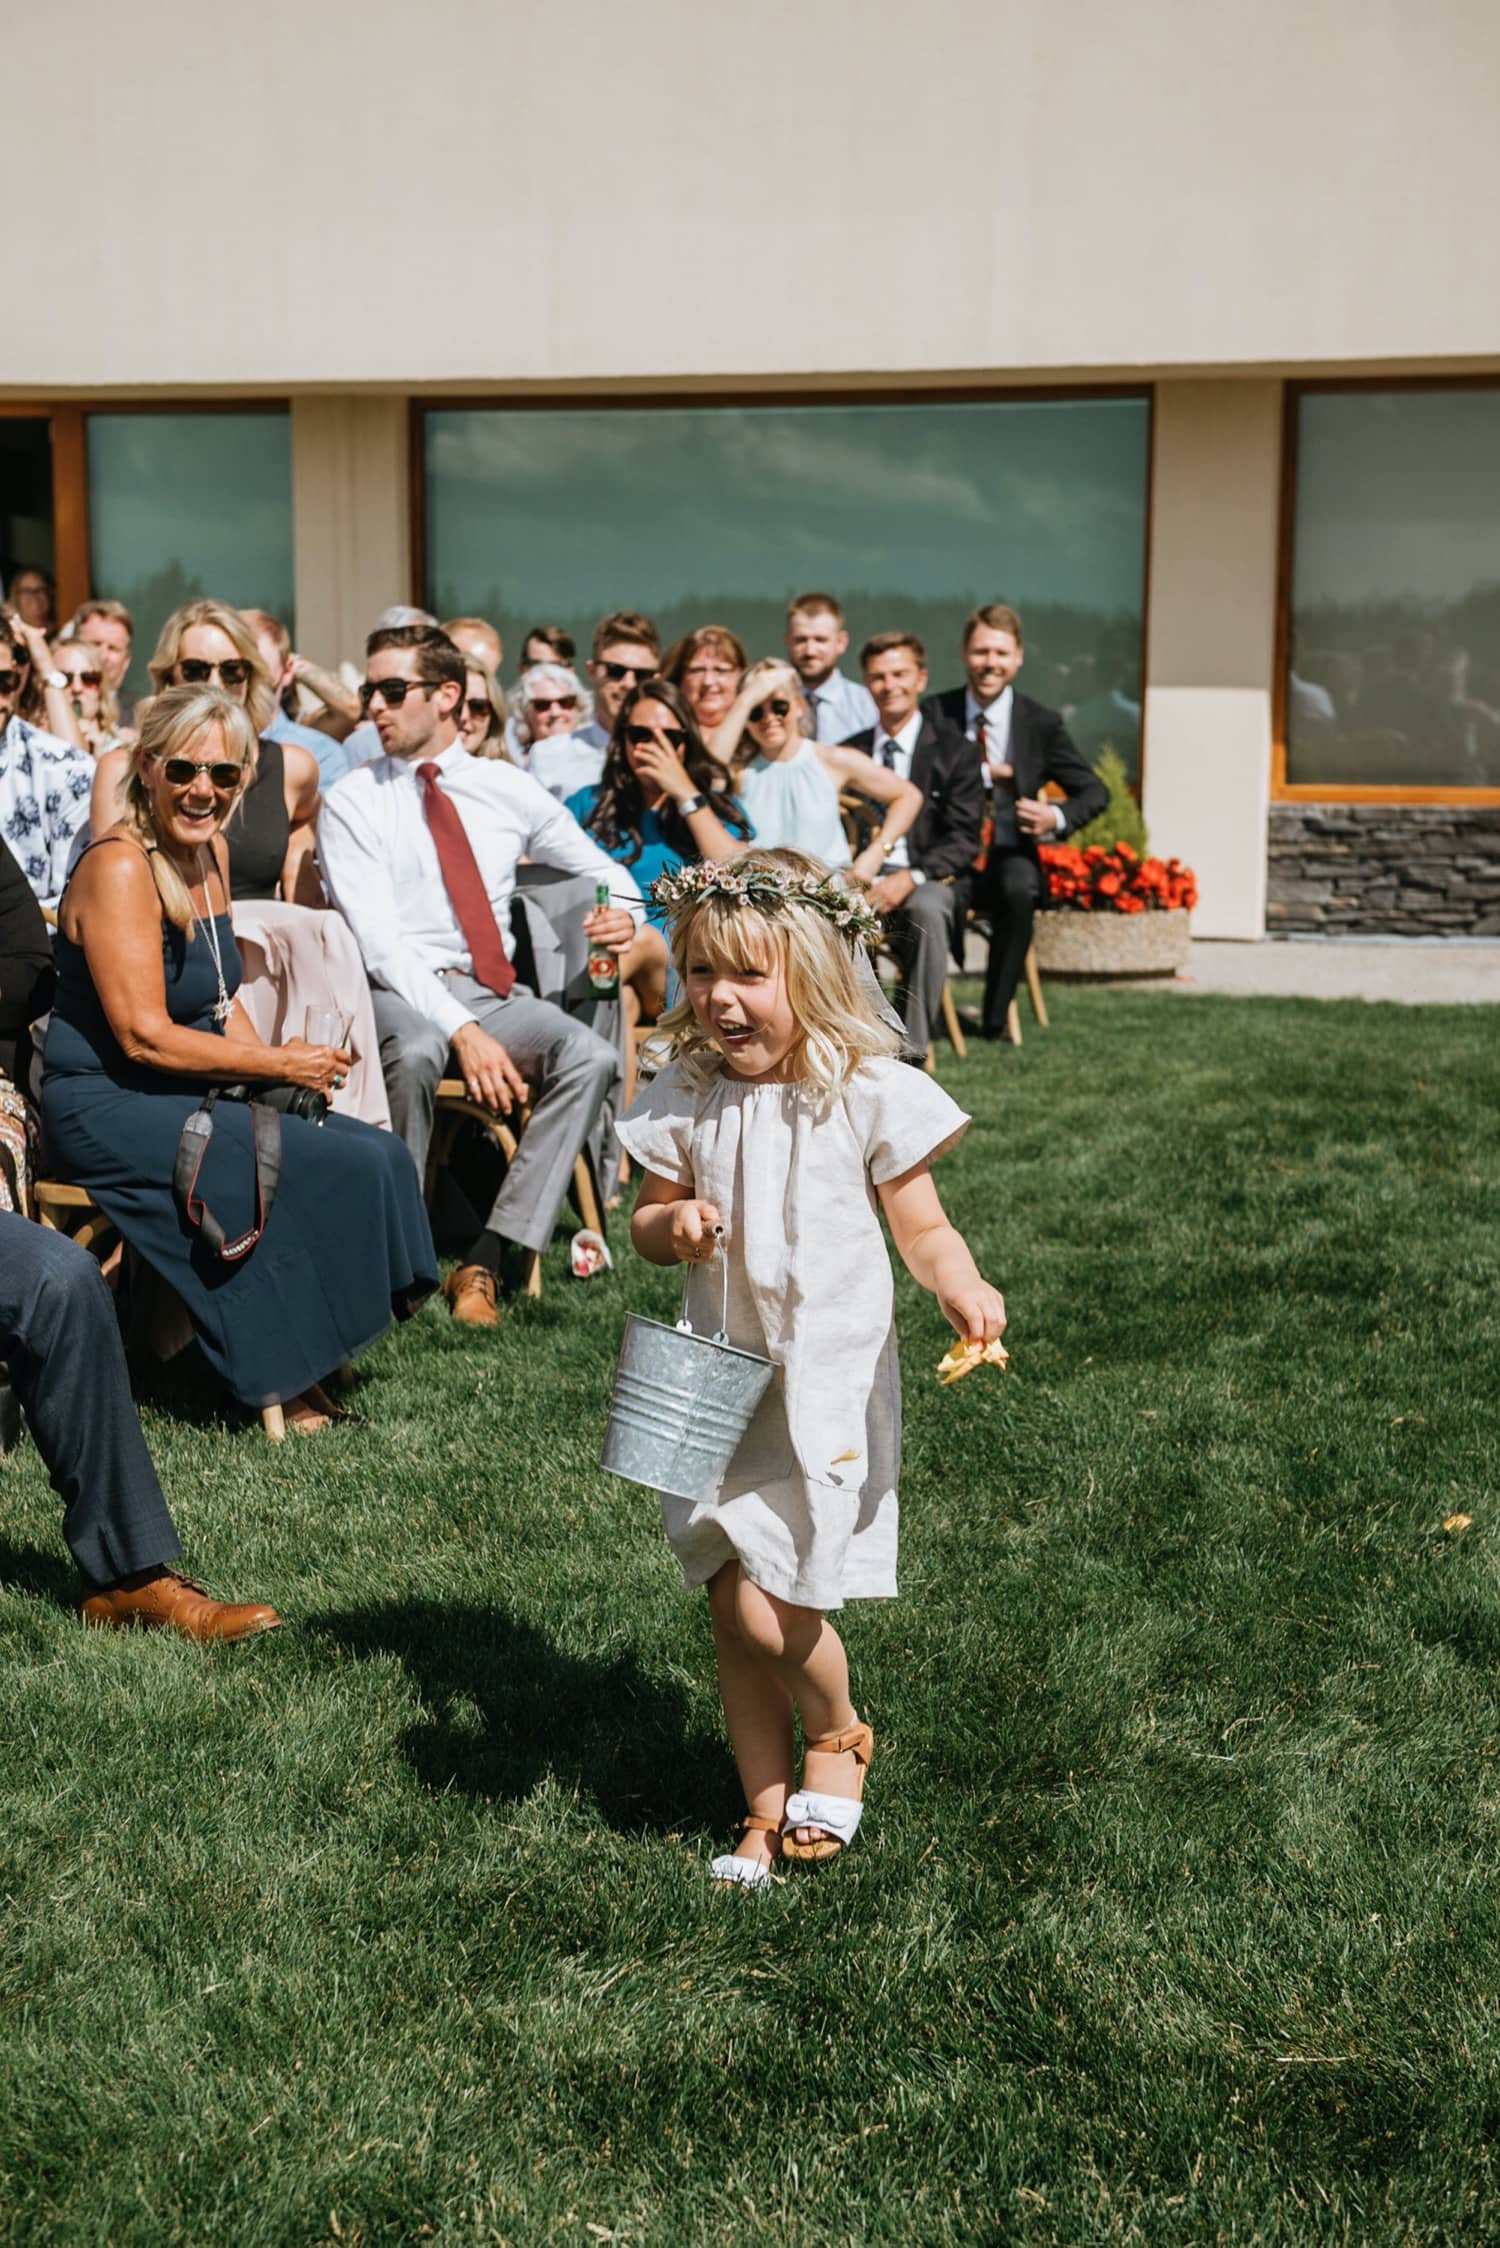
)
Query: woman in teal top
[{"x": 661, "y": 799}]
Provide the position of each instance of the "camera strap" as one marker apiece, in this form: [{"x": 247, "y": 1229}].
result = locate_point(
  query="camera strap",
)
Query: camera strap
[{"x": 265, "y": 1126}]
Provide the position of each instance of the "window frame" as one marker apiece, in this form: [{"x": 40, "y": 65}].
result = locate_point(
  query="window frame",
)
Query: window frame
[
  {"x": 421, "y": 404},
  {"x": 1284, "y": 791},
  {"x": 70, "y": 468}
]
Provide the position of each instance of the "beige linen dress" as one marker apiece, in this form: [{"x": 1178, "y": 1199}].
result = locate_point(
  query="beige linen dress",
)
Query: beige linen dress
[{"x": 808, "y": 1506}]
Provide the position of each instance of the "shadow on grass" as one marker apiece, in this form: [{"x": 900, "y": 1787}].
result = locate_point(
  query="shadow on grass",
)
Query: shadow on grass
[
  {"x": 32, "y": 1569},
  {"x": 602, "y": 1725}
]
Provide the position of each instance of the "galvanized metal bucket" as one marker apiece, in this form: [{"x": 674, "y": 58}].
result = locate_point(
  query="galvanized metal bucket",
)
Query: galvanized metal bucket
[{"x": 682, "y": 1401}]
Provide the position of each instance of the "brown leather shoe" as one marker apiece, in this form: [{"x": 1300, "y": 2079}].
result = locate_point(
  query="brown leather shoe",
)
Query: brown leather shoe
[
  {"x": 169, "y": 1601},
  {"x": 470, "y": 1293}
]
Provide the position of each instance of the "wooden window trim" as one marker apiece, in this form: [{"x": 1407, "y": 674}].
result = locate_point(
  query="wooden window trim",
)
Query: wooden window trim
[{"x": 1284, "y": 791}]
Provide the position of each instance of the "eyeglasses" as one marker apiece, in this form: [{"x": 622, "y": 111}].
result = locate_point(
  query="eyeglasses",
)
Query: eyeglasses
[
  {"x": 778, "y": 707},
  {"x": 477, "y": 706},
  {"x": 9, "y": 682},
  {"x": 393, "y": 691},
  {"x": 552, "y": 702},
  {"x": 192, "y": 671},
  {"x": 180, "y": 771},
  {"x": 85, "y": 678},
  {"x": 639, "y": 736},
  {"x": 710, "y": 671},
  {"x": 628, "y": 670}
]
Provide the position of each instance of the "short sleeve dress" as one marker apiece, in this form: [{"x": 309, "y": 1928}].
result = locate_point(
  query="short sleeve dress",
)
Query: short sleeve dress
[{"x": 809, "y": 1505}]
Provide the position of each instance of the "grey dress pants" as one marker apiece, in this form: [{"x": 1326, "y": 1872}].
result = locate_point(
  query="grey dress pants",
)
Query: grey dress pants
[
  {"x": 61, "y": 1349},
  {"x": 574, "y": 1070},
  {"x": 919, "y": 934}
]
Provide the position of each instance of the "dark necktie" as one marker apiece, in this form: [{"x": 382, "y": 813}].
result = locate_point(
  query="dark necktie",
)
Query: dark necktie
[
  {"x": 979, "y": 740},
  {"x": 465, "y": 886},
  {"x": 889, "y": 752},
  {"x": 812, "y": 702}
]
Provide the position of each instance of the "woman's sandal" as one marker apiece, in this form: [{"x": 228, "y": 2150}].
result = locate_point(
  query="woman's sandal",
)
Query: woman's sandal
[
  {"x": 730, "y": 1872},
  {"x": 836, "y": 1816}
]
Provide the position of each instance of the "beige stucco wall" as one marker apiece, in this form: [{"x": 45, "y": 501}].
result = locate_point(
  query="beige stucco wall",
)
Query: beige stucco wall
[
  {"x": 350, "y": 518},
  {"x": 470, "y": 193},
  {"x": 1210, "y": 641}
]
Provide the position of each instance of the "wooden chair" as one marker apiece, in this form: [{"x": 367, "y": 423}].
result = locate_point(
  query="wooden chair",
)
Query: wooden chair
[
  {"x": 454, "y": 1109},
  {"x": 71, "y": 1210},
  {"x": 861, "y": 819},
  {"x": 1033, "y": 981}
]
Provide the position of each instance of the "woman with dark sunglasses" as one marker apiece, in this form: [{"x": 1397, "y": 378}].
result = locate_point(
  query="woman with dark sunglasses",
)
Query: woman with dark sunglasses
[
  {"x": 89, "y": 694},
  {"x": 792, "y": 787},
  {"x": 660, "y": 800},
  {"x": 481, "y": 715},
  {"x": 549, "y": 708},
  {"x": 42, "y": 699},
  {"x": 148, "y": 1013},
  {"x": 296, "y": 952}
]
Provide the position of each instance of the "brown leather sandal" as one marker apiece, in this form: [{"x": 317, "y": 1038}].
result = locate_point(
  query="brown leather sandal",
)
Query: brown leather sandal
[
  {"x": 837, "y": 1816},
  {"x": 730, "y": 1872}
]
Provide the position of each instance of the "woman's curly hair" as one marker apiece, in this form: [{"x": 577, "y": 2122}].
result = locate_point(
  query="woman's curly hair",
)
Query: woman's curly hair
[{"x": 616, "y": 817}]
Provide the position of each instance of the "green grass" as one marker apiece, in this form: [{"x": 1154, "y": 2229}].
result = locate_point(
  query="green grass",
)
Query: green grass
[{"x": 1174, "y": 1916}]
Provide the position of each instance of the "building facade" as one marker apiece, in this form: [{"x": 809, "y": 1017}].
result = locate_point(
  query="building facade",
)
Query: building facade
[{"x": 1153, "y": 326}]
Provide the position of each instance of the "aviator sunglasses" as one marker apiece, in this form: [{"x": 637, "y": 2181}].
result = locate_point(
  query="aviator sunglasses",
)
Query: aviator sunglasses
[
  {"x": 84, "y": 678},
  {"x": 182, "y": 770},
  {"x": 778, "y": 706},
  {"x": 640, "y": 737},
  {"x": 192, "y": 671},
  {"x": 392, "y": 691},
  {"x": 552, "y": 702}
]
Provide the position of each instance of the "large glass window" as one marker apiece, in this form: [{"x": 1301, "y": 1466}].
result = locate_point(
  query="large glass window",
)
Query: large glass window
[
  {"x": 1395, "y": 627},
  {"x": 188, "y": 504},
  {"x": 909, "y": 514}
]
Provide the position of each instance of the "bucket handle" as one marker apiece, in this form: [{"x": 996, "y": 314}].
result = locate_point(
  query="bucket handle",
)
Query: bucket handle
[{"x": 685, "y": 1325}]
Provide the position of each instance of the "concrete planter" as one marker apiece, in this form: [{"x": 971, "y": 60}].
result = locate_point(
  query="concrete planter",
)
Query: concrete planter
[{"x": 1101, "y": 945}]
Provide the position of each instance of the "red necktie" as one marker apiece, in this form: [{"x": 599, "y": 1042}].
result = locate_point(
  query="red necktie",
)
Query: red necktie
[
  {"x": 465, "y": 886},
  {"x": 986, "y": 824}
]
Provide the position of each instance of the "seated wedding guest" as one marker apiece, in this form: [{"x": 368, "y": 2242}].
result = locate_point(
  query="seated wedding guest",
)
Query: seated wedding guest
[
  {"x": 922, "y": 894},
  {"x": 331, "y": 754},
  {"x": 707, "y": 664},
  {"x": 294, "y": 953},
  {"x": 109, "y": 627},
  {"x": 661, "y": 800},
  {"x": 25, "y": 969},
  {"x": 420, "y": 849},
  {"x": 60, "y": 1345},
  {"x": 87, "y": 690},
  {"x": 1021, "y": 747},
  {"x": 44, "y": 781},
  {"x": 549, "y": 707},
  {"x": 816, "y": 638},
  {"x": 790, "y": 786},
  {"x": 30, "y": 594},
  {"x": 548, "y": 643},
  {"x": 43, "y": 700},
  {"x": 145, "y": 1019},
  {"x": 483, "y": 719},
  {"x": 626, "y": 649}
]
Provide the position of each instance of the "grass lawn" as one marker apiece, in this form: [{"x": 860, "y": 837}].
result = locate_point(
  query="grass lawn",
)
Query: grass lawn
[{"x": 1174, "y": 1915}]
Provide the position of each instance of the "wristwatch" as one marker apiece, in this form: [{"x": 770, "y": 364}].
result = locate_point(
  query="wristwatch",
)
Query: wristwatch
[
  {"x": 687, "y": 805},
  {"x": 54, "y": 679},
  {"x": 918, "y": 877}
]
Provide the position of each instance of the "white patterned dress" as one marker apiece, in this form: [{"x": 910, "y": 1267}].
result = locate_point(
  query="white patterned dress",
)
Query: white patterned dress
[{"x": 808, "y": 1506}]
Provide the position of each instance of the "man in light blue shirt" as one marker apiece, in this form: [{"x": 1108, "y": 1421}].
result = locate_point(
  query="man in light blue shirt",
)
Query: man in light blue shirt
[
  {"x": 334, "y": 758},
  {"x": 816, "y": 638}
]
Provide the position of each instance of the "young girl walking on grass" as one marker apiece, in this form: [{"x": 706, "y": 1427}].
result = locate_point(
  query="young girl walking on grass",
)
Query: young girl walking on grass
[{"x": 784, "y": 1118}]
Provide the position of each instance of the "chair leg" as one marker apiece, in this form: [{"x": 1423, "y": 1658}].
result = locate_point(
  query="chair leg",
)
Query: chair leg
[
  {"x": 1034, "y": 988},
  {"x": 531, "y": 1285},
  {"x": 584, "y": 1195},
  {"x": 951, "y": 1023},
  {"x": 273, "y": 1421},
  {"x": 1013, "y": 1023}
]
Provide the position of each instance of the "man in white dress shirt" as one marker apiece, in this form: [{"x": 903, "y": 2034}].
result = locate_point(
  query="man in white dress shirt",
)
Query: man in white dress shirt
[
  {"x": 816, "y": 638},
  {"x": 419, "y": 849}
]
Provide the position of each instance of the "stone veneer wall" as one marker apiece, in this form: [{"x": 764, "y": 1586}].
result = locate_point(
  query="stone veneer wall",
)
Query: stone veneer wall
[{"x": 1383, "y": 870}]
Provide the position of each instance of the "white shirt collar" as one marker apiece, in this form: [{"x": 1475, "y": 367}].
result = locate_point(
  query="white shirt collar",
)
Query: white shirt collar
[
  {"x": 994, "y": 713},
  {"x": 444, "y": 760},
  {"x": 906, "y": 739}
]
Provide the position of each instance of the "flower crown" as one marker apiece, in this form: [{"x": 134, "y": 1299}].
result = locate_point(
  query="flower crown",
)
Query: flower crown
[{"x": 767, "y": 887}]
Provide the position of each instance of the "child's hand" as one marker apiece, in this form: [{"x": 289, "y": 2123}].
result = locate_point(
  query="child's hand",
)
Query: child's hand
[
  {"x": 974, "y": 1309},
  {"x": 692, "y": 1233}
]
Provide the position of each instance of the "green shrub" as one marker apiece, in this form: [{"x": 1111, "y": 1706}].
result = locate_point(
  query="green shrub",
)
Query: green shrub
[{"x": 1120, "y": 821}]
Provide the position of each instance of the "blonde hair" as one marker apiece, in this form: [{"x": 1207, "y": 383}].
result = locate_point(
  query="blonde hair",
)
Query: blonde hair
[
  {"x": 173, "y": 722},
  {"x": 260, "y": 693},
  {"x": 832, "y": 993},
  {"x": 109, "y": 709}
]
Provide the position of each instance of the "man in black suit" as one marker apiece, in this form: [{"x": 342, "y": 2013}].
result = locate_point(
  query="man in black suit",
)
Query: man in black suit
[
  {"x": 1022, "y": 745},
  {"x": 921, "y": 892}
]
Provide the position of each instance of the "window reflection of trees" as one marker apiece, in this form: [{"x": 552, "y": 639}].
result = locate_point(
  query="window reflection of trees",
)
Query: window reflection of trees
[{"x": 1396, "y": 693}]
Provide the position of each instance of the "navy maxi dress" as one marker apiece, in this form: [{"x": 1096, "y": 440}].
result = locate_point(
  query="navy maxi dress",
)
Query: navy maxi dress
[{"x": 347, "y": 1244}]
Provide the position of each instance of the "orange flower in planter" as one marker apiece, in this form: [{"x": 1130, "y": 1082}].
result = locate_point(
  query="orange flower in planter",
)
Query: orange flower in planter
[{"x": 1114, "y": 880}]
